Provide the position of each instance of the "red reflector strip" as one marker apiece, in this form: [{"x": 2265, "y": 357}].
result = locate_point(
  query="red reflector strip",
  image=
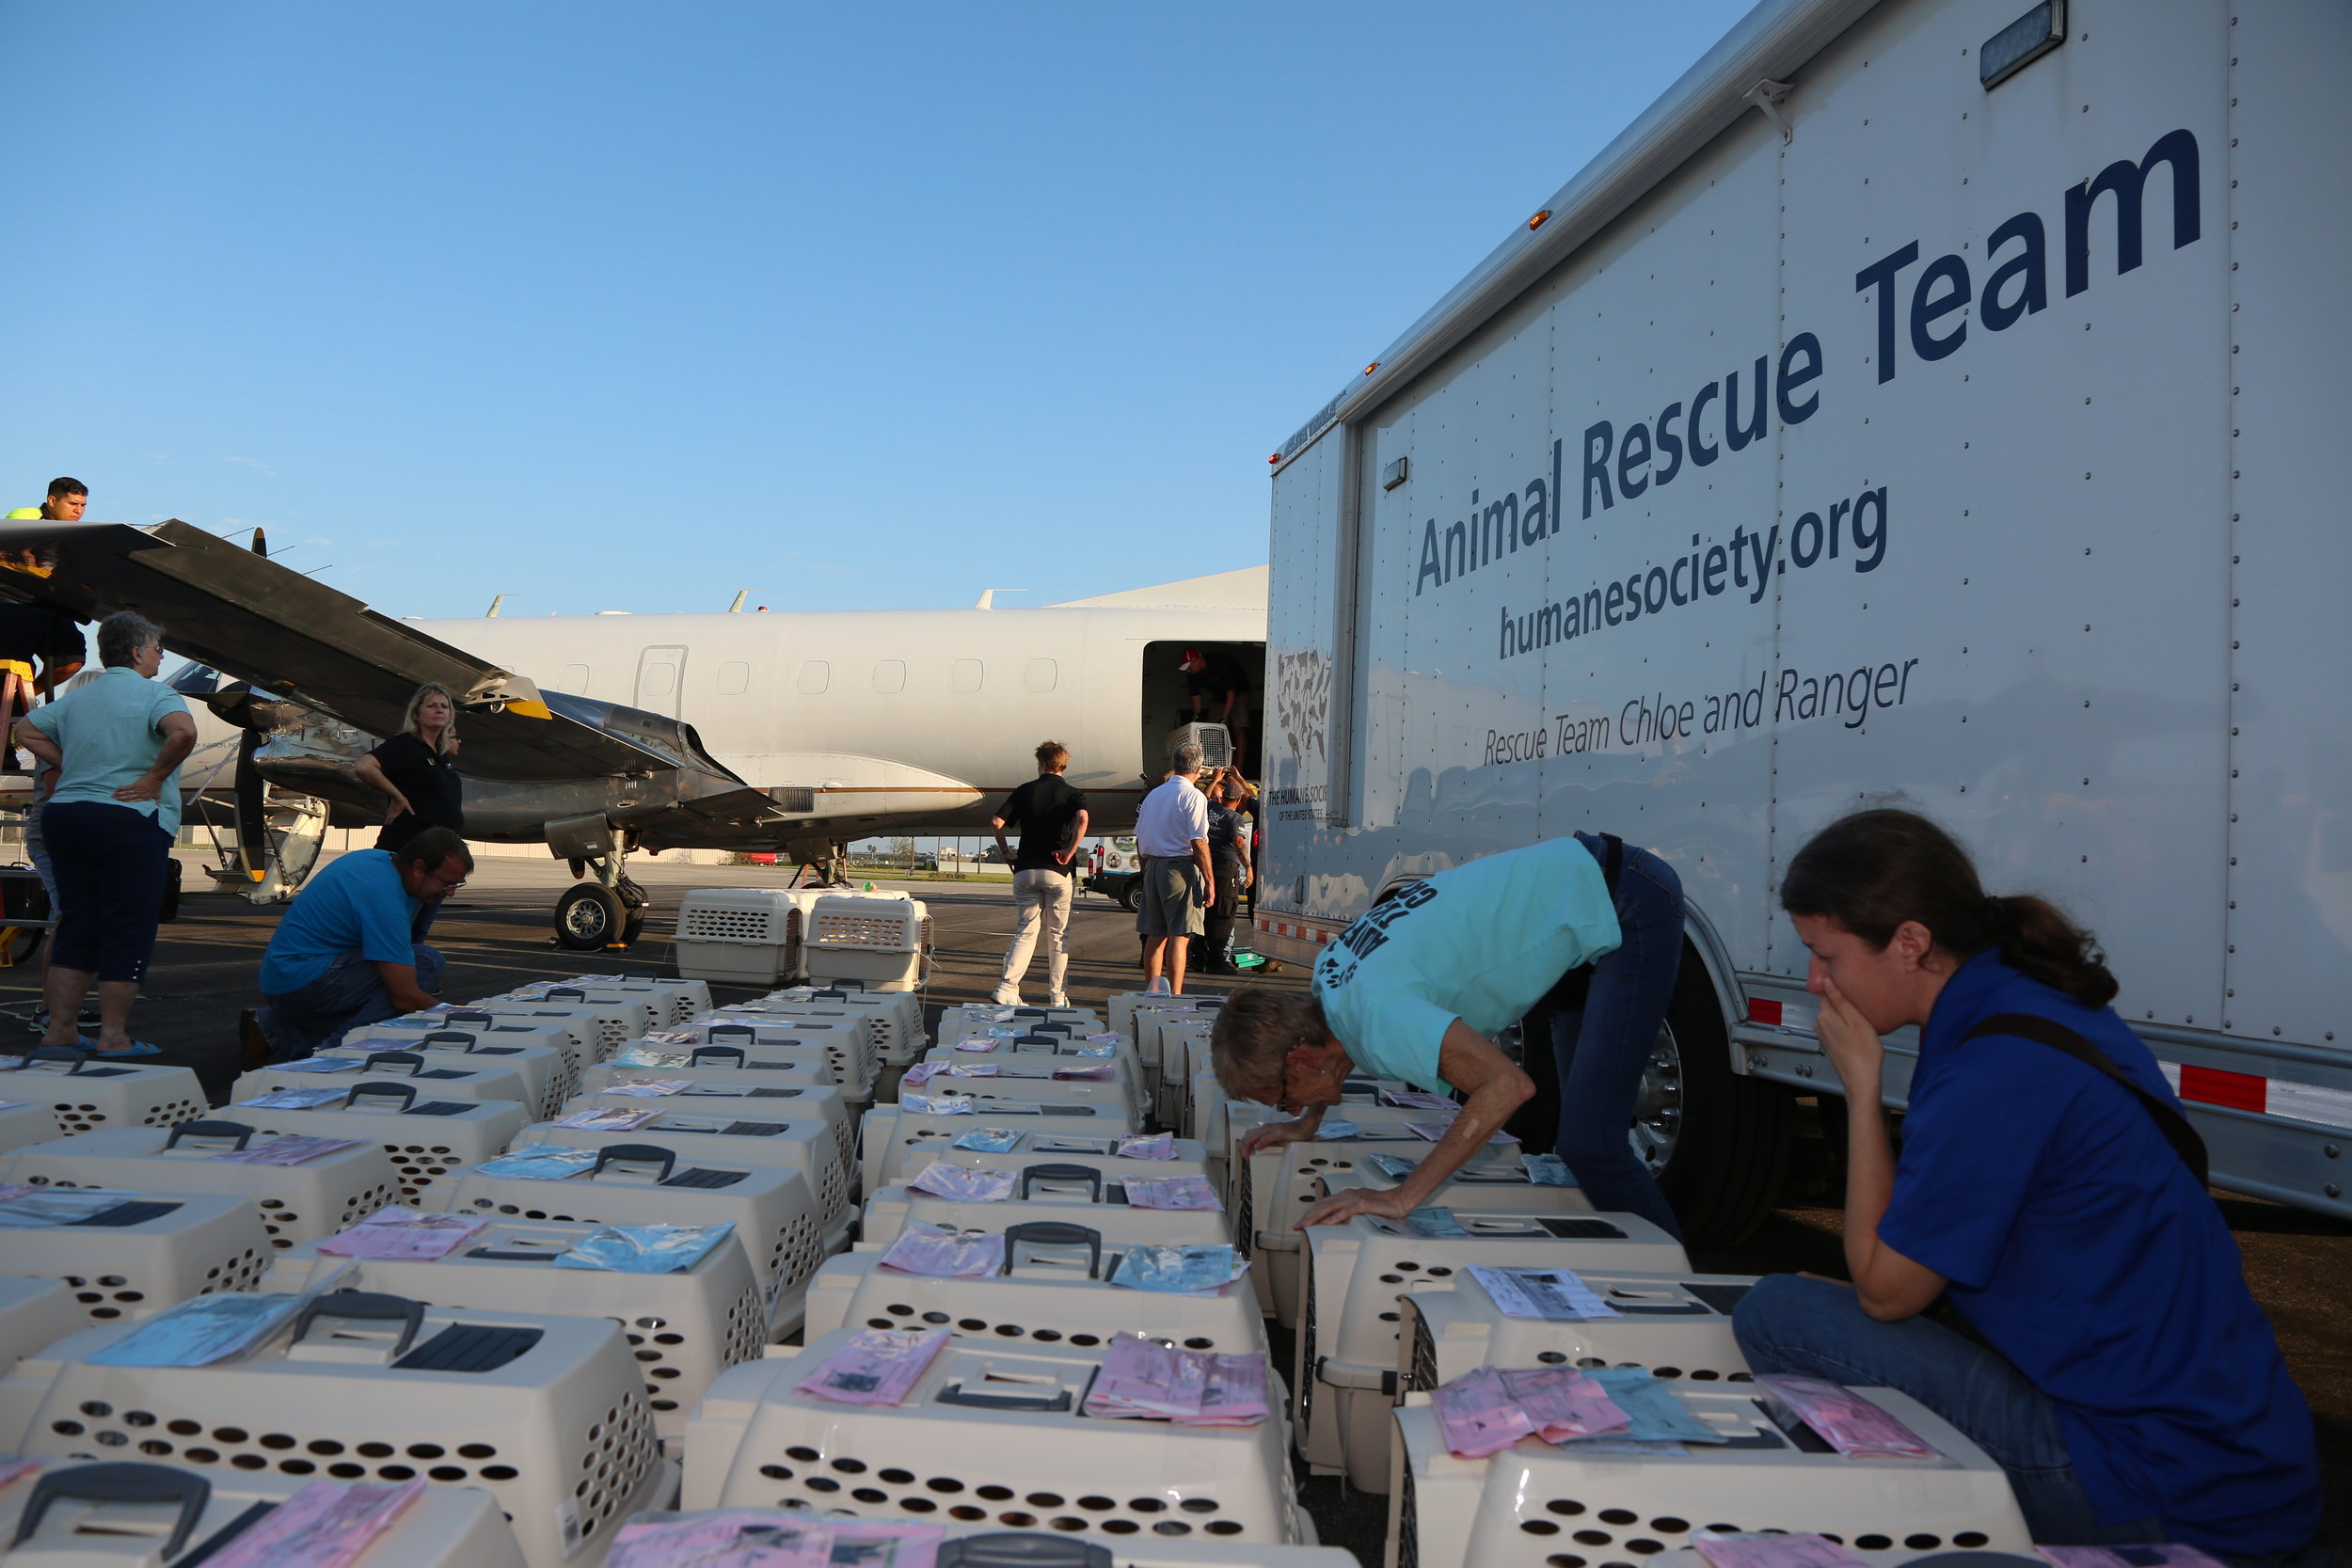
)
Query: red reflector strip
[
  {"x": 2239, "y": 1091},
  {"x": 1764, "y": 1011}
]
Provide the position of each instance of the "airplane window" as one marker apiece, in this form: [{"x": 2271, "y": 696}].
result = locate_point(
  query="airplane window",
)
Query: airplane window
[
  {"x": 815, "y": 675},
  {"x": 655, "y": 680},
  {"x": 965, "y": 675},
  {"x": 1038, "y": 675},
  {"x": 891, "y": 676},
  {"x": 735, "y": 678},
  {"x": 574, "y": 679}
]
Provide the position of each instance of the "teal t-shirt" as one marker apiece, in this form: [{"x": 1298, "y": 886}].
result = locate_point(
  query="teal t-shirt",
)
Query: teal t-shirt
[
  {"x": 356, "y": 903},
  {"x": 1482, "y": 943},
  {"x": 110, "y": 732}
]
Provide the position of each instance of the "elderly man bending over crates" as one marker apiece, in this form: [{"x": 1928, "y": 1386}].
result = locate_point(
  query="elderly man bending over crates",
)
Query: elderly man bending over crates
[{"x": 348, "y": 952}]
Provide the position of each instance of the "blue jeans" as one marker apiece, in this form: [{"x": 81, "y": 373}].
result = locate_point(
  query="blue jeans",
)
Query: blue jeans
[
  {"x": 309, "y": 1019},
  {"x": 1603, "y": 1045},
  {"x": 1788, "y": 1325}
]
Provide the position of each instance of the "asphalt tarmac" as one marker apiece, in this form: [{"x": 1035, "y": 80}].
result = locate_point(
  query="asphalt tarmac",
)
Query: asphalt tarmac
[{"x": 495, "y": 934}]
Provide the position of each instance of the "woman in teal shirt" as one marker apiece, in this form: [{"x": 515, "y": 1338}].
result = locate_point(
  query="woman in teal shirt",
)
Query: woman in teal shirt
[{"x": 1417, "y": 986}]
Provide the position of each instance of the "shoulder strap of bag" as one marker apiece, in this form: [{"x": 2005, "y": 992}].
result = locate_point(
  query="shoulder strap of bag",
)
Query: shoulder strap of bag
[{"x": 2057, "y": 1036}]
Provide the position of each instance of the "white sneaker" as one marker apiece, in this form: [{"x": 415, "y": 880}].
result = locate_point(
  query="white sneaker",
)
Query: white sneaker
[
  {"x": 1057, "y": 1002},
  {"x": 1158, "y": 988},
  {"x": 1006, "y": 996}
]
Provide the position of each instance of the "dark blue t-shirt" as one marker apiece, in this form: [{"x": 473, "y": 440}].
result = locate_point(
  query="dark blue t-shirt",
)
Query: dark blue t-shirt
[{"x": 2079, "y": 1245}]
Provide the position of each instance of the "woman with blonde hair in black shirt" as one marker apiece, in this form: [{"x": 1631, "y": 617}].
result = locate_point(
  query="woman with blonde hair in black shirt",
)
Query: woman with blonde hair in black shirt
[{"x": 416, "y": 770}]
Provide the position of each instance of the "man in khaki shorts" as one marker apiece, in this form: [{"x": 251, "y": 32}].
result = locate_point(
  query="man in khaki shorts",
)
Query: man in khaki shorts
[{"x": 1179, "y": 882}]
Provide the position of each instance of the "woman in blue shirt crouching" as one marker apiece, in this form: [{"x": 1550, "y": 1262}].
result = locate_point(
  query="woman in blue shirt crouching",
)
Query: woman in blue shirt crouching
[{"x": 2049, "y": 1186}]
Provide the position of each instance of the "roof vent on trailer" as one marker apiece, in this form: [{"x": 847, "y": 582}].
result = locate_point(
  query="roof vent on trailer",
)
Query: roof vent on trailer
[{"x": 2022, "y": 42}]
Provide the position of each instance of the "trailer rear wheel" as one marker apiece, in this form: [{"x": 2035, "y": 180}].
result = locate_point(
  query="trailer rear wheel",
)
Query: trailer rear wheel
[{"x": 1717, "y": 1140}]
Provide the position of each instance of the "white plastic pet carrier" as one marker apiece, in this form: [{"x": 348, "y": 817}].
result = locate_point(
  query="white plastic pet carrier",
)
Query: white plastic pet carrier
[
  {"x": 22, "y": 1123},
  {"x": 1096, "y": 1152},
  {"x": 989, "y": 1432},
  {"x": 128, "y": 1255},
  {"x": 573, "y": 1038},
  {"x": 1041, "y": 1194},
  {"x": 1677, "y": 1325},
  {"x": 715, "y": 1095},
  {"x": 428, "y": 1138},
  {"x": 846, "y": 1043},
  {"x": 1183, "y": 1056},
  {"x": 640, "y": 1009},
  {"x": 739, "y": 935},
  {"x": 895, "y": 1017},
  {"x": 437, "y": 1073},
  {"x": 136, "y": 1513},
  {"x": 548, "y": 1074},
  {"x": 1279, "y": 1184},
  {"x": 882, "y": 940},
  {"x": 545, "y": 1413},
  {"x": 308, "y": 1197},
  {"x": 745, "y": 1066},
  {"x": 1345, "y": 1369},
  {"x": 600, "y": 1028},
  {"x": 1043, "y": 1052},
  {"x": 83, "y": 1093},
  {"x": 1526, "y": 1506},
  {"x": 992, "y": 1545},
  {"x": 648, "y": 1183},
  {"x": 1029, "y": 1077},
  {"x": 896, "y": 1141},
  {"x": 805, "y": 1144},
  {"x": 977, "y": 1018},
  {"x": 683, "y": 1328},
  {"x": 674, "y": 1000},
  {"x": 33, "y": 1313},
  {"x": 1054, "y": 1289}
]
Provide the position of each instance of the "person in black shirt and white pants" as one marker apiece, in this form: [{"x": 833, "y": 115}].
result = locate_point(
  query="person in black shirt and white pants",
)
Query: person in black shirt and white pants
[
  {"x": 1052, "y": 819},
  {"x": 416, "y": 770}
]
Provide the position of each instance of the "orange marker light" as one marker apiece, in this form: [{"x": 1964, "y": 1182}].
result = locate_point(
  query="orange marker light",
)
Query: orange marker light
[
  {"x": 1373, "y": 366},
  {"x": 1537, "y": 221}
]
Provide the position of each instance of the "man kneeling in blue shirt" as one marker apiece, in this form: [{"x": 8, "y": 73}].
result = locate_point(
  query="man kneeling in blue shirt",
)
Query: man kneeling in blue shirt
[{"x": 348, "y": 952}]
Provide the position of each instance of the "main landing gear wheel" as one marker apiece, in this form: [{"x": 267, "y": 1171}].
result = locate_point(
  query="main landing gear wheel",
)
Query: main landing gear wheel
[{"x": 589, "y": 917}]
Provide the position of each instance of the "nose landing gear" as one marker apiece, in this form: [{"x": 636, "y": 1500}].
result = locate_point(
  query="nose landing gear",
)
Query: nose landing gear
[{"x": 607, "y": 913}]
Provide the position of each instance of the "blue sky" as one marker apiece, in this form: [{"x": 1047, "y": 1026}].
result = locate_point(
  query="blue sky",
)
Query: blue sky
[{"x": 629, "y": 307}]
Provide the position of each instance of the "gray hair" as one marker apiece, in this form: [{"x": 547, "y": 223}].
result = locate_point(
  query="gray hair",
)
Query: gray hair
[
  {"x": 1185, "y": 759},
  {"x": 1254, "y": 1031},
  {"x": 122, "y": 634}
]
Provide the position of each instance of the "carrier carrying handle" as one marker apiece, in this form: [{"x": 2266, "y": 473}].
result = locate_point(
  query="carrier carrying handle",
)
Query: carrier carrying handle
[
  {"x": 404, "y": 1093},
  {"x": 120, "y": 1484},
  {"x": 448, "y": 1036},
  {"x": 1087, "y": 1174},
  {"x": 1055, "y": 1233},
  {"x": 954, "y": 1394},
  {"x": 569, "y": 993},
  {"x": 731, "y": 1030},
  {"x": 1008, "y": 1549},
  {"x": 701, "y": 1052},
  {"x": 60, "y": 1054},
  {"x": 635, "y": 1154},
  {"x": 236, "y": 1131},
  {"x": 468, "y": 1015},
  {"x": 409, "y": 1059},
  {"x": 364, "y": 1305}
]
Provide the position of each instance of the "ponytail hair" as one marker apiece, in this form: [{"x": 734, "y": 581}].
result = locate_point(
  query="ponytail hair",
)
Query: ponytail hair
[{"x": 1873, "y": 870}]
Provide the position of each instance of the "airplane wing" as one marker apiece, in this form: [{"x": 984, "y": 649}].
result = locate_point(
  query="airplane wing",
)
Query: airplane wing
[{"x": 246, "y": 617}]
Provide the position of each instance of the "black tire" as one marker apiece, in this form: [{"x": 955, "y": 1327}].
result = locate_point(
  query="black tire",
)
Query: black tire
[
  {"x": 1730, "y": 1149},
  {"x": 589, "y": 917},
  {"x": 1127, "y": 894}
]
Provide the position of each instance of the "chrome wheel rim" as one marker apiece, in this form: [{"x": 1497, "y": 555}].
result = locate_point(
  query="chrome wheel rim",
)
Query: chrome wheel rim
[{"x": 1658, "y": 1105}]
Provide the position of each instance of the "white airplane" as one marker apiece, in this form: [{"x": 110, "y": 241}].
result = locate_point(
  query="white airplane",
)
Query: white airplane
[{"x": 602, "y": 735}]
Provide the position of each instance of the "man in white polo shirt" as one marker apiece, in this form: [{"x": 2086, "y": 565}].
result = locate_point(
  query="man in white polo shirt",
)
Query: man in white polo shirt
[{"x": 1178, "y": 883}]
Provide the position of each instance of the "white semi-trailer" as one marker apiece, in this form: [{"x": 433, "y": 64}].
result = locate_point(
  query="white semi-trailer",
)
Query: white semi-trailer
[{"x": 1922, "y": 399}]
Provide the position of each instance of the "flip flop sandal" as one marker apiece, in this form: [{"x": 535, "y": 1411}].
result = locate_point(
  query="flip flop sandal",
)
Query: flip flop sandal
[{"x": 137, "y": 1048}]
